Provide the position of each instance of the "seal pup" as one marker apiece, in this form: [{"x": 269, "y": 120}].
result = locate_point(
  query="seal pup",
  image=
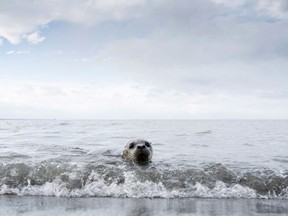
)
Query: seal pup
[{"x": 139, "y": 151}]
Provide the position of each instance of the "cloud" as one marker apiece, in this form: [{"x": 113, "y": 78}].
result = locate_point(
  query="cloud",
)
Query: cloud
[
  {"x": 211, "y": 49},
  {"x": 82, "y": 60},
  {"x": 272, "y": 8},
  {"x": 58, "y": 52},
  {"x": 1, "y": 41},
  {"x": 18, "y": 19},
  {"x": 19, "y": 52},
  {"x": 128, "y": 101},
  {"x": 235, "y": 3},
  {"x": 34, "y": 38},
  {"x": 275, "y": 8},
  {"x": 207, "y": 57}
]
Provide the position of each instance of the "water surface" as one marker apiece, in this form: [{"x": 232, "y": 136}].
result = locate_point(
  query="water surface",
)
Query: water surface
[{"x": 193, "y": 158}]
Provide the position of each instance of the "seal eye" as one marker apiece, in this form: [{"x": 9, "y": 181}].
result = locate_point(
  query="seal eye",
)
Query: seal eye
[
  {"x": 147, "y": 144},
  {"x": 131, "y": 146}
]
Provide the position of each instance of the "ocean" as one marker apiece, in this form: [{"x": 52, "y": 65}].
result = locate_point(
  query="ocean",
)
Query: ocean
[{"x": 194, "y": 161}]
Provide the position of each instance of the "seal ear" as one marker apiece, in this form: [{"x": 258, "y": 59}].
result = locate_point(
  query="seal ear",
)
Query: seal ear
[{"x": 125, "y": 154}]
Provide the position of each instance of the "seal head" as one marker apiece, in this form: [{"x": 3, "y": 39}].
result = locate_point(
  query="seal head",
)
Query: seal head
[{"x": 139, "y": 151}]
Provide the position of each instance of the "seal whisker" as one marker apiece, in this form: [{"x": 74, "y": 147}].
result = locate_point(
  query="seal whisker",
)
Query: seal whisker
[{"x": 139, "y": 151}]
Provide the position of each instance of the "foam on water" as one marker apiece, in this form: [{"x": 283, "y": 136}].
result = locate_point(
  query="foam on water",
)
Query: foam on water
[
  {"x": 129, "y": 180},
  {"x": 132, "y": 188}
]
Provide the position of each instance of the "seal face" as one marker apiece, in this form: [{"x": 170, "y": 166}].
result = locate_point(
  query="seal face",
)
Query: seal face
[{"x": 139, "y": 151}]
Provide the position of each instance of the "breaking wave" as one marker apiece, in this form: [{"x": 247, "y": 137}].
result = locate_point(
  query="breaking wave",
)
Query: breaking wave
[{"x": 119, "y": 179}]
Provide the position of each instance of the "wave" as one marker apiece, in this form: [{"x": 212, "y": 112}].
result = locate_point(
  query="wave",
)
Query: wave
[{"x": 119, "y": 179}]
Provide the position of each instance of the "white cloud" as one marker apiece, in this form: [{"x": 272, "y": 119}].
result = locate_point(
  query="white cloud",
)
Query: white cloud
[
  {"x": 34, "y": 38},
  {"x": 83, "y": 60},
  {"x": 128, "y": 101},
  {"x": 235, "y": 57},
  {"x": 19, "y": 52},
  {"x": 274, "y": 8},
  {"x": 1, "y": 41},
  {"x": 271, "y": 8},
  {"x": 18, "y": 18},
  {"x": 235, "y": 3},
  {"x": 58, "y": 52},
  {"x": 11, "y": 52},
  {"x": 115, "y": 101}
]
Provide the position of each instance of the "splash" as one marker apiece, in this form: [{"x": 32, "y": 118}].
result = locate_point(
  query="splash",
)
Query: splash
[{"x": 103, "y": 180}]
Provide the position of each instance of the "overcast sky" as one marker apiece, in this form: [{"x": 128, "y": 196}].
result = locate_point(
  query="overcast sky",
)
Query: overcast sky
[{"x": 144, "y": 59}]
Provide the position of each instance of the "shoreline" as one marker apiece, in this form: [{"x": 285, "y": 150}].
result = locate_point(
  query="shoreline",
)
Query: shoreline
[{"x": 40, "y": 205}]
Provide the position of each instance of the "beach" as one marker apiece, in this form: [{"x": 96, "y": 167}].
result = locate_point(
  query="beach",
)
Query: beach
[{"x": 35, "y": 205}]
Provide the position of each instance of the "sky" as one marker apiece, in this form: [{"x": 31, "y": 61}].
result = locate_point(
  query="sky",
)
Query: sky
[{"x": 144, "y": 59}]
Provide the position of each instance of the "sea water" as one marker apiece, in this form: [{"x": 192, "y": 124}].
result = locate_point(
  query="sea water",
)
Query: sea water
[{"x": 192, "y": 158}]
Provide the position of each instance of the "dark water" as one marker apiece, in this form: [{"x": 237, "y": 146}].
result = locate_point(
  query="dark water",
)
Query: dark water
[{"x": 192, "y": 159}]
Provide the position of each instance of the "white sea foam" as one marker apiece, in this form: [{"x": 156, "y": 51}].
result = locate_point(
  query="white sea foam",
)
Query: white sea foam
[{"x": 132, "y": 188}]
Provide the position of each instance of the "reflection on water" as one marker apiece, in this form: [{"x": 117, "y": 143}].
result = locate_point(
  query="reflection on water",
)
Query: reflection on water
[{"x": 103, "y": 206}]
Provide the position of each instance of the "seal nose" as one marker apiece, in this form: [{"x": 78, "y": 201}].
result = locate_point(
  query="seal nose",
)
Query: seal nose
[{"x": 141, "y": 147}]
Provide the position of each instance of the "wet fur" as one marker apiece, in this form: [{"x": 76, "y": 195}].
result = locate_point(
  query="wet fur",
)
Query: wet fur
[{"x": 134, "y": 153}]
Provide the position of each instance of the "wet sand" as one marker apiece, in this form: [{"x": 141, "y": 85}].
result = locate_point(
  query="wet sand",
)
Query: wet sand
[{"x": 37, "y": 205}]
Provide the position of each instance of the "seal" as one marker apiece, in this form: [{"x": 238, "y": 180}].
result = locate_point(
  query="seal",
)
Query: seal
[{"x": 139, "y": 151}]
